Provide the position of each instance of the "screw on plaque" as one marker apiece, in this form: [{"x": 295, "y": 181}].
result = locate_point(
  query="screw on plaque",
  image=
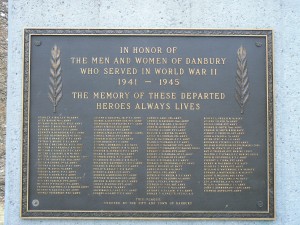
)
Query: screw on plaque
[
  {"x": 260, "y": 204},
  {"x": 35, "y": 202},
  {"x": 258, "y": 44},
  {"x": 37, "y": 43}
]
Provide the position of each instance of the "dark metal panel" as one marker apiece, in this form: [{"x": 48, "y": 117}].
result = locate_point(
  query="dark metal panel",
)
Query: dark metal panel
[{"x": 233, "y": 93}]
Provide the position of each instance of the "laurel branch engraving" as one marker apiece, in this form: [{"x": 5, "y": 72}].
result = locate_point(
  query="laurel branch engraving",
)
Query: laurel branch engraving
[
  {"x": 242, "y": 81},
  {"x": 55, "y": 86}
]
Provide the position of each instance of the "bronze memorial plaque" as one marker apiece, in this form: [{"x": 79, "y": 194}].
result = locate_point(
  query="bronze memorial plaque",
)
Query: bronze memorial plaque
[{"x": 148, "y": 124}]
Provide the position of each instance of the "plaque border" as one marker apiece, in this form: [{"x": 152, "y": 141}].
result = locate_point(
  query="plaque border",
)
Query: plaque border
[{"x": 25, "y": 213}]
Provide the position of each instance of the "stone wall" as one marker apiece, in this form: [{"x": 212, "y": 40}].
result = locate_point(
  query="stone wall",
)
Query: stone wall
[
  {"x": 3, "y": 61},
  {"x": 282, "y": 16}
]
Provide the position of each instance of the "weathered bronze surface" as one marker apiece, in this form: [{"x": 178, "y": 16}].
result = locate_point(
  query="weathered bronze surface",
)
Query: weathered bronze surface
[{"x": 157, "y": 123}]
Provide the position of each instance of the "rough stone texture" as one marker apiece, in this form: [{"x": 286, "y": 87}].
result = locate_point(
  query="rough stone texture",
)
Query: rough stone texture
[
  {"x": 3, "y": 61},
  {"x": 282, "y": 16}
]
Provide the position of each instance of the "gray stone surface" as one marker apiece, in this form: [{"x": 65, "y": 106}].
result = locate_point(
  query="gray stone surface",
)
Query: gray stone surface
[
  {"x": 282, "y": 16},
  {"x": 3, "y": 63}
]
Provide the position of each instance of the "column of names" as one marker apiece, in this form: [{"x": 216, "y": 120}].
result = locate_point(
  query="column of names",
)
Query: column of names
[
  {"x": 226, "y": 155},
  {"x": 169, "y": 153},
  {"x": 114, "y": 156}
]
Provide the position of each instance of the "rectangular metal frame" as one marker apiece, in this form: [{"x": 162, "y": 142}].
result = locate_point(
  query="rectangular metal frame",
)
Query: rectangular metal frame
[{"x": 199, "y": 215}]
